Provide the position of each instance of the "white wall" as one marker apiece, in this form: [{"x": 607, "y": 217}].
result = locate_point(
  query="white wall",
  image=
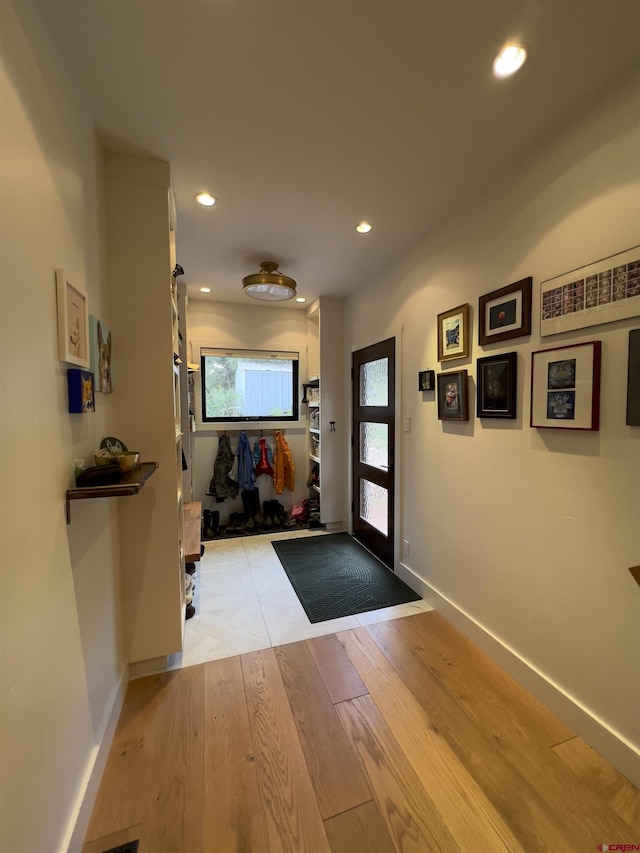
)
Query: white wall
[
  {"x": 529, "y": 532},
  {"x": 62, "y": 656},
  {"x": 251, "y": 326}
]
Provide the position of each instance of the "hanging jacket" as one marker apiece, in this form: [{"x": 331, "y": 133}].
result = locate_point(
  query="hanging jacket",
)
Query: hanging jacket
[
  {"x": 262, "y": 457},
  {"x": 246, "y": 474},
  {"x": 284, "y": 468},
  {"x": 220, "y": 486}
]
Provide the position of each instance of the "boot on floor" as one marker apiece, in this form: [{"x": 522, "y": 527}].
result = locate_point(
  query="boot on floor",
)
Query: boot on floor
[
  {"x": 255, "y": 500},
  {"x": 247, "y": 503}
]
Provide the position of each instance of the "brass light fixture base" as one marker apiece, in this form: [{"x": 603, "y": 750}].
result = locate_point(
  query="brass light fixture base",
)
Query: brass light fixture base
[{"x": 269, "y": 284}]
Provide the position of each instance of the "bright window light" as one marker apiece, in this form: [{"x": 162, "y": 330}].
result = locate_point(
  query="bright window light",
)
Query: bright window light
[{"x": 248, "y": 385}]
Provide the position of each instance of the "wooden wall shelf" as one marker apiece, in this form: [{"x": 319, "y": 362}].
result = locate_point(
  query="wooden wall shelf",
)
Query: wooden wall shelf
[{"x": 130, "y": 484}]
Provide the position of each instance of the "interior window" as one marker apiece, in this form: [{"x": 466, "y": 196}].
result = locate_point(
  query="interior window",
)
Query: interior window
[{"x": 249, "y": 385}]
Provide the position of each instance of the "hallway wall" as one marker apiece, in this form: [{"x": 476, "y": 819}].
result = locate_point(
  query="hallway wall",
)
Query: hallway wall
[
  {"x": 528, "y": 533},
  {"x": 62, "y": 654}
]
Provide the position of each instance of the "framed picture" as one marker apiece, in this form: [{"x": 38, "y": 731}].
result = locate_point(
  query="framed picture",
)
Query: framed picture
[
  {"x": 565, "y": 387},
  {"x": 496, "y": 383},
  {"x": 100, "y": 350},
  {"x": 453, "y": 397},
  {"x": 453, "y": 333},
  {"x": 426, "y": 380},
  {"x": 81, "y": 391},
  {"x": 600, "y": 292},
  {"x": 633, "y": 379},
  {"x": 505, "y": 313},
  {"x": 73, "y": 322}
]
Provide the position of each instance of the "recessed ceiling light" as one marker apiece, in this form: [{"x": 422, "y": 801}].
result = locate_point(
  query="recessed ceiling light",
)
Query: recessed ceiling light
[
  {"x": 300, "y": 299},
  {"x": 509, "y": 60},
  {"x": 363, "y": 228},
  {"x": 205, "y": 290},
  {"x": 205, "y": 199}
]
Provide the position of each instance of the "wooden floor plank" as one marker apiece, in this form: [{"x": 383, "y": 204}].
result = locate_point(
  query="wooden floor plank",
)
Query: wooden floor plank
[
  {"x": 359, "y": 829},
  {"x": 292, "y": 815},
  {"x": 556, "y": 789},
  {"x": 534, "y": 824},
  {"x": 233, "y": 812},
  {"x": 471, "y": 818},
  {"x": 479, "y": 682},
  {"x": 126, "y": 788},
  {"x": 338, "y": 673},
  {"x": 614, "y": 788},
  {"x": 116, "y": 839},
  {"x": 175, "y": 821},
  {"x": 335, "y": 772},
  {"x": 412, "y": 820}
]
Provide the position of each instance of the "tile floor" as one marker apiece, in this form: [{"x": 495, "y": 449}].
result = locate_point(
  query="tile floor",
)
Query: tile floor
[{"x": 245, "y": 602}]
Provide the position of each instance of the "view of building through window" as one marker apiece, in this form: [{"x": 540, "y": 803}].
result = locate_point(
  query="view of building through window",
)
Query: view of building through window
[{"x": 249, "y": 385}]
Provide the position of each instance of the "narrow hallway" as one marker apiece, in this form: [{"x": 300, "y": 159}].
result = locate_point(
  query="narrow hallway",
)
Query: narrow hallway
[{"x": 245, "y": 602}]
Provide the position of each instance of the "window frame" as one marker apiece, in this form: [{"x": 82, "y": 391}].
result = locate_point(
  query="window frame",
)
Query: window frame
[{"x": 208, "y": 351}]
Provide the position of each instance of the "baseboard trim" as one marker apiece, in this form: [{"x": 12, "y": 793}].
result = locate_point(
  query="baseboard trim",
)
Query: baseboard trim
[
  {"x": 85, "y": 801},
  {"x": 609, "y": 743},
  {"x": 140, "y": 668}
]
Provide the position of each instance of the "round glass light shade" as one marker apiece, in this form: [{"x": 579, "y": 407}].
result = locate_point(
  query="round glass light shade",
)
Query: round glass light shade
[
  {"x": 269, "y": 285},
  {"x": 510, "y": 59}
]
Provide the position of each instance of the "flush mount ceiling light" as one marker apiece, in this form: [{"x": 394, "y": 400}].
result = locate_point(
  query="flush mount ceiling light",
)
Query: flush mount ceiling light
[
  {"x": 363, "y": 228},
  {"x": 510, "y": 59},
  {"x": 300, "y": 299},
  {"x": 205, "y": 290},
  {"x": 269, "y": 284},
  {"x": 205, "y": 199}
]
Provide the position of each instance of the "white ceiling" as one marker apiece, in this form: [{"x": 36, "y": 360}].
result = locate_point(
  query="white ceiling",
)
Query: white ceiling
[{"x": 304, "y": 117}]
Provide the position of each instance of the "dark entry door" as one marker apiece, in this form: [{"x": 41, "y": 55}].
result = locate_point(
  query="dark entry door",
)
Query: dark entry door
[{"x": 373, "y": 372}]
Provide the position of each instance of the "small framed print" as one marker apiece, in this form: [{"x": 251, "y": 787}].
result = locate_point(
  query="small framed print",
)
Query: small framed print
[
  {"x": 565, "y": 387},
  {"x": 426, "y": 380},
  {"x": 453, "y": 333},
  {"x": 505, "y": 313},
  {"x": 496, "y": 382},
  {"x": 73, "y": 322},
  {"x": 82, "y": 399},
  {"x": 453, "y": 398}
]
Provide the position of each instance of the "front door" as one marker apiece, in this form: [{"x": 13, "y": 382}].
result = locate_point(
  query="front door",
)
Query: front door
[{"x": 373, "y": 372}]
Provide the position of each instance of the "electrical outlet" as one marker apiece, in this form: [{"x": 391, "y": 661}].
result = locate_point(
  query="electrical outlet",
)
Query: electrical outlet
[
  {"x": 405, "y": 547},
  {"x": 407, "y": 424}
]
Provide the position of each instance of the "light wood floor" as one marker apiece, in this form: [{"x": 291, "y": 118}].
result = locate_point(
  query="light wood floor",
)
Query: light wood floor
[{"x": 398, "y": 736}]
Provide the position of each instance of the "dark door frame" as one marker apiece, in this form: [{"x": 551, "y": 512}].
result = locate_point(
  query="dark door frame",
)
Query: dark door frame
[{"x": 380, "y": 545}]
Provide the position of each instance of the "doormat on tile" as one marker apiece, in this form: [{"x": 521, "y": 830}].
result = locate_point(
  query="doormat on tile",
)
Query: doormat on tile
[{"x": 334, "y": 576}]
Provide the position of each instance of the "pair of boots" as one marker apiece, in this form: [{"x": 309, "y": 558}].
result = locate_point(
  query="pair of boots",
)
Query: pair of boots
[
  {"x": 210, "y": 524},
  {"x": 252, "y": 519}
]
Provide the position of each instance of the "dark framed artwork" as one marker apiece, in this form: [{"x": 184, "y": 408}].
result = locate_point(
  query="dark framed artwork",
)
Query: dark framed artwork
[
  {"x": 496, "y": 384},
  {"x": 565, "y": 387},
  {"x": 453, "y": 396},
  {"x": 633, "y": 379},
  {"x": 453, "y": 333},
  {"x": 505, "y": 313},
  {"x": 426, "y": 380}
]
